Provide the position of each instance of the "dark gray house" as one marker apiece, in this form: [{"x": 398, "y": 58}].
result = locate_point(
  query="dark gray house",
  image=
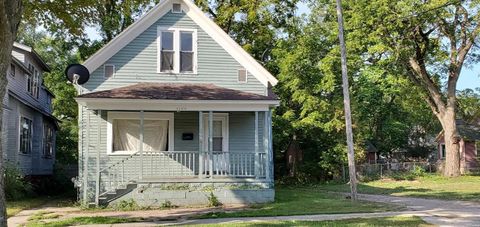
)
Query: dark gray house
[{"x": 29, "y": 127}]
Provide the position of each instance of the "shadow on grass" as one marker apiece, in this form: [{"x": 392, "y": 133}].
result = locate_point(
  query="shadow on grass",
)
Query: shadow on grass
[{"x": 449, "y": 191}]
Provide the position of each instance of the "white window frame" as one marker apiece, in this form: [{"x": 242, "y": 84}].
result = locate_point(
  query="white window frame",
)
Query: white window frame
[
  {"x": 20, "y": 134},
  {"x": 136, "y": 116},
  {"x": 176, "y": 49},
  {"x": 224, "y": 117},
  {"x": 104, "y": 71}
]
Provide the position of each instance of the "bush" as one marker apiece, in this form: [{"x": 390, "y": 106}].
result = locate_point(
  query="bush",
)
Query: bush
[
  {"x": 127, "y": 205},
  {"x": 413, "y": 174},
  {"x": 213, "y": 200},
  {"x": 16, "y": 186}
]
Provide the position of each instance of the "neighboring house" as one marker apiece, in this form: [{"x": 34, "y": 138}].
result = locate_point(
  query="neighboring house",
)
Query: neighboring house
[
  {"x": 174, "y": 109},
  {"x": 371, "y": 153},
  {"x": 29, "y": 128},
  {"x": 469, "y": 156}
]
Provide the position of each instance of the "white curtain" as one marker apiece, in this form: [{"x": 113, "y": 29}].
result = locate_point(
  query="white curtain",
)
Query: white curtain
[{"x": 126, "y": 135}]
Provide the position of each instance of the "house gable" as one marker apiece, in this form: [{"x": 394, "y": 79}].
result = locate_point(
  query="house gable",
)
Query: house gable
[{"x": 137, "y": 61}]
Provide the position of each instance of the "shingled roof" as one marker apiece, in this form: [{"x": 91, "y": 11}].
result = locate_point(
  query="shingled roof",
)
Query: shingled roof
[{"x": 176, "y": 91}]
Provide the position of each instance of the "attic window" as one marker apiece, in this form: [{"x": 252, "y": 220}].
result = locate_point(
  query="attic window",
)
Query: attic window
[
  {"x": 242, "y": 76},
  {"x": 109, "y": 71},
  {"x": 177, "y": 8}
]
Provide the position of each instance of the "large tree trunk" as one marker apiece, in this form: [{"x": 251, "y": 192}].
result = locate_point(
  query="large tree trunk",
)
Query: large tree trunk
[
  {"x": 452, "y": 144},
  {"x": 10, "y": 16}
]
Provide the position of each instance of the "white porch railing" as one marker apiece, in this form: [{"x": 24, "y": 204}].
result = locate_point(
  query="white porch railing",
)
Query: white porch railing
[{"x": 181, "y": 165}]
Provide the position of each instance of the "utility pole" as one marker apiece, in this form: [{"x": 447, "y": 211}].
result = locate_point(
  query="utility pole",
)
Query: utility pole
[{"x": 346, "y": 103}]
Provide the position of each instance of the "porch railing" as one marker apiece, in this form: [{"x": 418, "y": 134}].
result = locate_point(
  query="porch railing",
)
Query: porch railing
[{"x": 151, "y": 166}]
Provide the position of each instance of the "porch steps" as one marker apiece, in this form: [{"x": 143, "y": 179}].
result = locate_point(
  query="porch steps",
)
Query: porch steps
[{"x": 110, "y": 196}]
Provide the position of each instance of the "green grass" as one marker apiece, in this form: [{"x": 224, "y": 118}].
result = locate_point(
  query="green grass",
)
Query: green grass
[
  {"x": 300, "y": 201},
  {"x": 83, "y": 221},
  {"x": 14, "y": 207},
  {"x": 387, "y": 221},
  {"x": 430, "y": 186}
]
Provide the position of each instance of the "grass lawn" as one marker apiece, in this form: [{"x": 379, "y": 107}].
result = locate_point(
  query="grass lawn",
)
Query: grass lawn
[
  {"x": 430, "y": 186},
  {"x": 82, "y": 221},
  {"x": 387, "y": 221},
  {"x": 14, "y": 207},
  {"x": 299, "y": 201}
]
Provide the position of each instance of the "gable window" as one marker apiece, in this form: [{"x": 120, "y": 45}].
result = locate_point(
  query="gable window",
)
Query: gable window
[
  {"x": 124, "y": 130},
  {"x": 177, "y": 50},
  {"x": 167, "y": 52},
  {"x": 26, "y": 129},
  {"x": 443, "y": 151},
  {"x": 48, "y": 140},
  {"x": 242, "y": 76},
  {"x": 12, "y": 70},
  {"x": 177, "y": 8},
  {"x": 109, "y": 71}
]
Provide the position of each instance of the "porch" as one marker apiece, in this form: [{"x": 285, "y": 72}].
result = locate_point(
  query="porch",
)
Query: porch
[{"x": 159, "y": 141}]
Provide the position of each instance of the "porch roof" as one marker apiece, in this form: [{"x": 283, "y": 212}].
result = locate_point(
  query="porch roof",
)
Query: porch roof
[{"x": 176, "y": 91}]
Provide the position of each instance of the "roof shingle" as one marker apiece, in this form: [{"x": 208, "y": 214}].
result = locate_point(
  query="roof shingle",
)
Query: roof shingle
[{"x": 176, "y": 91}]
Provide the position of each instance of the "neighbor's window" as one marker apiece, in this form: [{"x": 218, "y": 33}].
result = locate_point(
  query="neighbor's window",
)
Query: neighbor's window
[
  {"x": 443, "y": 151},
  {"x": 31, "y": 70},
  {"x": 217, "y": 136},
  {"x": 48, "y": 133},
  {"x": 26, "y": 129},
  {"x": 177, "y": 50},
  {"x": 33, "y": 81},
  {"x": 12, "y": 70}
]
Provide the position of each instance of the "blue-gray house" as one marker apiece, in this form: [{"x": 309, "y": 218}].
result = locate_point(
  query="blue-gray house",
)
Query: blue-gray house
[
  {"x": 29, "y": 127},
  {"x": 175, "y": 110}
]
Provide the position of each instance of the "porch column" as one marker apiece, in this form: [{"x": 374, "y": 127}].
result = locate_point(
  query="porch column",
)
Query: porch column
[
  {"x": 201, "y": 157},
  {"x": 140, "y": 148},
  {"x": 86, "y": 151},
  {"x": 266, "y": 145},
  {"x": 270, "y": 147},
  {"x": 257, "y": 155},
  {"x": 210, "y": 141},
  {"x": 99, "y": 142}
]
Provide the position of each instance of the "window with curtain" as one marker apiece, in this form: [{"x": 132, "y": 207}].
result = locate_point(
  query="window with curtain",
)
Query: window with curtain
[
  {"x": 26, "y": 128},
  {"x": 167, "y": 52},
  {"x": 126, "y": 135}
]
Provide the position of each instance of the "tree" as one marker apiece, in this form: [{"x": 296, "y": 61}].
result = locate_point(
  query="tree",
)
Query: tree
[
  {"x": 10, "y": 16},
  {"x": 428, "y": 42},
  {"x": 56, "y": 16}
]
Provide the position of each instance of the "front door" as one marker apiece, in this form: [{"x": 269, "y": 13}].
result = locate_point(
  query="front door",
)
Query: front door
[{"x": 218, "y": 159}]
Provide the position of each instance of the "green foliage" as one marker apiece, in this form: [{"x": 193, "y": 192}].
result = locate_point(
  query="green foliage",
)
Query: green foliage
[
  {"x": 16, "y": 186},
  {"x": 58, "y": 53},
  {"x": 213, "y": 200},
  {"x": 83, "y": 221},
  {"x": 126, "y": 205},
  {"x": 167, "y": 204}
]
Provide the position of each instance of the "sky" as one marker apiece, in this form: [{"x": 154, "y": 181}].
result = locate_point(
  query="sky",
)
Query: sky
[{"x": 469, "y": 78}]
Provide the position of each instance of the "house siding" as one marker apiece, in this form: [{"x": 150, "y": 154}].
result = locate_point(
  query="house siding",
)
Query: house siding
[
  {"x": 29, "y": 164},
  {"x": 18, "y": 102},
  {"x": 137, "y": 62}
]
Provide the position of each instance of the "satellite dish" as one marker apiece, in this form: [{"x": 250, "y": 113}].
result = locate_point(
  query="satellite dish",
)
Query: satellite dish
[{"x": 77, "y": 74}]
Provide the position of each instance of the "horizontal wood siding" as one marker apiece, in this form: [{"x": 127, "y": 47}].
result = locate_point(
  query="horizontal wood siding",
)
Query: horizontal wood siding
[
  {"x": 137, "y": 62},
  {"x": 30, "y": 164},
  {"x": 241, "y": 139}
]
